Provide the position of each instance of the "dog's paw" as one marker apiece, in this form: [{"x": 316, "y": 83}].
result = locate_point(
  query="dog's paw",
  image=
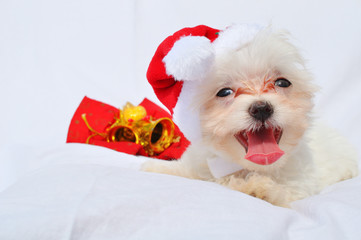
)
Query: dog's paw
[
  {"x": 258, "y": 186},
  {"x": 164, "y": 167},
  {"x": 150, "y": 166}
]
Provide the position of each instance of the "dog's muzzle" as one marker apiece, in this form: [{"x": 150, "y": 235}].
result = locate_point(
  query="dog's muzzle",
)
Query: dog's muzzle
[{"x": 261, "y": 144}]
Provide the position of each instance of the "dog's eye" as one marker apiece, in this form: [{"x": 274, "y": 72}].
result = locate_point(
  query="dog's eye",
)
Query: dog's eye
[
  {"x": 282, "y": 82},
  {"x": 224, "y": 92}
]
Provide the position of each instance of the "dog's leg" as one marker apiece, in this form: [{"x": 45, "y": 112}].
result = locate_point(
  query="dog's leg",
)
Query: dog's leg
[
  {"x": 166, "y": 167},
  {"x": 259, "y": 186},
  {"x": 193, "y": 164}
]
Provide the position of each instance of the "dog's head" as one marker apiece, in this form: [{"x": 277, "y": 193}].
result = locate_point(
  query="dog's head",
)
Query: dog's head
[{"x": 256, "y": 102}]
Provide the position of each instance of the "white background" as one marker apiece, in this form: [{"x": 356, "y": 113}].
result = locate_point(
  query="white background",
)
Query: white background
[{"x": 53, "y": 53}]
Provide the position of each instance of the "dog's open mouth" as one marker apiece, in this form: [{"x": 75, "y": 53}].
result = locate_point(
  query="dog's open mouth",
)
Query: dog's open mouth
[{"x": 261, "y": 145}]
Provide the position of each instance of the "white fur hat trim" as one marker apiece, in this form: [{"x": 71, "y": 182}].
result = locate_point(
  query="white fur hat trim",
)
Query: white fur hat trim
[
  {"x": 235, "y": 36},
  {"x": 190, "y": 58}
]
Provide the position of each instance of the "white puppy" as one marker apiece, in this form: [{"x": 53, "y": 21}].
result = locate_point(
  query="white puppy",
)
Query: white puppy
[{"x": 258, "y": 136}]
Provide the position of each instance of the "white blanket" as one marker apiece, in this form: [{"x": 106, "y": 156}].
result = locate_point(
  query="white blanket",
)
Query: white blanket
[
  {"x": 88, "y": 192},
  {"x": 53, "y": 53}
]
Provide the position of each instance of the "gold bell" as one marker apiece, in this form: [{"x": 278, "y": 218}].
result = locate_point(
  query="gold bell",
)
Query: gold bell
[{"x": 133, "y": 125}]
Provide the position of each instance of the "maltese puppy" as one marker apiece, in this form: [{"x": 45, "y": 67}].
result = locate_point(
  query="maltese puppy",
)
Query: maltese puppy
[{"x": 256, "y": 130}]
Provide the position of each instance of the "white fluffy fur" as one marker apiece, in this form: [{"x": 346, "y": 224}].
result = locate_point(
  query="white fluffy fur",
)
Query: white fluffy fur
[
  {"x": 189, "y": 123},
  {"x": 315, "y": 156},
  {"x": 190, "y": 58},
  {"x": 235, "y": 36}
]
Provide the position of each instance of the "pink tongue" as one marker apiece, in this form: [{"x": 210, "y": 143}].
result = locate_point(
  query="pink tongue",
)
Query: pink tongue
[{"x": 262, "y": 147}]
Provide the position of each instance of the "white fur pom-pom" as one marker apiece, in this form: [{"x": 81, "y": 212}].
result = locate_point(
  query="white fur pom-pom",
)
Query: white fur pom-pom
[
  {"x": 190, "y": 58},
  {"x": 235, "y": 36}
]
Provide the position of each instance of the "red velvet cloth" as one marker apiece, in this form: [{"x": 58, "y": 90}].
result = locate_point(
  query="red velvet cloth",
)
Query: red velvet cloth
[{"x": 100, "y": 116}]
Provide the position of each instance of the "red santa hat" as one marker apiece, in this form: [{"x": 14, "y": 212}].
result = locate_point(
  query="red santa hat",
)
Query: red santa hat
[
  {"x": 185, "y": 55},
  {"x": 184, "y": 59}
]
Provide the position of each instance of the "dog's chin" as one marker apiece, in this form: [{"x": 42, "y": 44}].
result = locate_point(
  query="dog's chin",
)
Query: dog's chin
[{"x": 261, "y": 145}]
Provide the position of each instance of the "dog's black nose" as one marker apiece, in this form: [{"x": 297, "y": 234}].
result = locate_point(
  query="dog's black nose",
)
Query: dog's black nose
[{"x": 261, "y": 110}]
